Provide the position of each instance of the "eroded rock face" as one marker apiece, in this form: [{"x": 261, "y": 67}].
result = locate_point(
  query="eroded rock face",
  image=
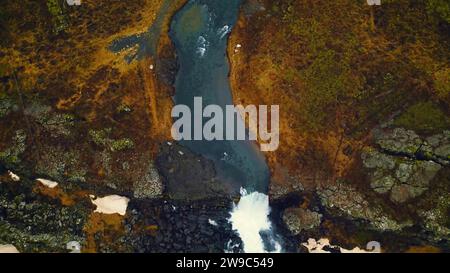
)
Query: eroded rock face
[
  {"x": 299, "y": 219},
  {"x": 349, "y": 202}
]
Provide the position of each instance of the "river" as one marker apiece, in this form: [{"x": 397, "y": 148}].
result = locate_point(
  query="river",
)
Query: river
[{"x": 199, "y": 32}]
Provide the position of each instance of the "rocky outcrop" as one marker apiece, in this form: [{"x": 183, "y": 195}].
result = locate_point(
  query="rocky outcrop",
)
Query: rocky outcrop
[
  {"x": 149, "y": 185},
  {"x": 402, "y": 142},
  {"x": 299, "y": 219},
  {"x": 399, "y": 141},
  {"x": 348, "y": 202},
  {"x": 402, "y": 177},
  {"x": 173, "y": 226},
  {"x": 437, "y": 148}
]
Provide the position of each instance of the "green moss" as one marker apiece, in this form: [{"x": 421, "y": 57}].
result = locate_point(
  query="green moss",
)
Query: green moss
[
  {"x": 123, "y": 108},
  {"x": 439, "y": 7},
  {"x": 442, "y": 83},
  {"x": 36, "y": 226},
  {"x": 122, "y": 144},
  {"x": 60, "y": 22},
  {"x": 6, "y": 104},
  {"x": 57, "y": 124},
  {"x": 101, "y": 138},
  {"x": 423, "y": 117},
  {"x": 328, "y": 80}
]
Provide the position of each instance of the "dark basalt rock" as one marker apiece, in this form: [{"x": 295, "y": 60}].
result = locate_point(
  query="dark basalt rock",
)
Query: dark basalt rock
[
  {"x": 181, "y": 226},
  {"x": 188, "y": 176}
]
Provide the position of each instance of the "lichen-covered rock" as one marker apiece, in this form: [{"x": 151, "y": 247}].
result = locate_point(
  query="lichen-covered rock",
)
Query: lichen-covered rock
[
  {"x": 10, "y": 156},
  {"x": 399, "y": 141},
  {"x": 148, "y": 186},
  {"x": 299, "y": 219},
  {"x": 56, "y": 124},
  {"x": 61, "y": 164},
  {"x": 34, "y": 224},
  {"x": 413, "y": 179},
  {"x": 437, "y": 219},
  {"x": 402, "y": 177},
  {"x": 349, "y": 202},
  {"x": 437, "y": 148},
  {"x": 282, "y": 183},
  {"x": 6, "y": 105},
  {"x": 373, "y": 159},
  {"x": 381, "y": 182}
]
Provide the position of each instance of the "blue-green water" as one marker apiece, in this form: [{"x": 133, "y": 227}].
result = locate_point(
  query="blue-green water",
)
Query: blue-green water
[
  {"x": 199, "y": 32},
  {"x": 147, "y": 42}
]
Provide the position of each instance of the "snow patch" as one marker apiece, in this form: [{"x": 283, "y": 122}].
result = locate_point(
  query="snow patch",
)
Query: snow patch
[
  {"x": 14, "y": 177},
  {"x": 48, "y": 183},
  {"x": 74, "y": 247},
  {"x": 314, "y": 246},
  {"x": 212, "y": 222},
  {"x": 111, "y": 204},
  {"x": 8, "y": 249}
]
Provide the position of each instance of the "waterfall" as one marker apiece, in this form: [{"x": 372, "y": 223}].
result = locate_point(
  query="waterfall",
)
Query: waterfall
[{"x": 250, "y": 219}]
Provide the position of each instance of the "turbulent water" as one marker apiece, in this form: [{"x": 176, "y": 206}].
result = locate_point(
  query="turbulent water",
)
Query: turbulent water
[
  {"x": 250, "y": 218},
  {"x": 200, "y": 33}
]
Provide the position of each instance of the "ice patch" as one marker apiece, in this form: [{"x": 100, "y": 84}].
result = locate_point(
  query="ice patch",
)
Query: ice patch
[
  {"x": 212, "y": 222},
  {"x": 250, "y": 219}
]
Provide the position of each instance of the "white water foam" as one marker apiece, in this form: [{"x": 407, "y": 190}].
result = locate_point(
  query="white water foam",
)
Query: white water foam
[{"x": 249, "y": 218}]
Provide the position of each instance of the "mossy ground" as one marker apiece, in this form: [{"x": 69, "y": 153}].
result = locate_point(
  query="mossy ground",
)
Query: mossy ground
[
  {"x": 425, "y": 117},
  {"x": 74, "y": 112},
  {"x": 338, "y": 74}
]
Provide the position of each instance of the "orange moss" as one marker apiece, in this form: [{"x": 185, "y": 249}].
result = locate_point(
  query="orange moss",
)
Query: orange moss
[
  {"x": 66, "y": 199},
  {"x": 105, "y": 228},
  {"x": 152, "y": 229},
  {"x": 423, "y": 249}
]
